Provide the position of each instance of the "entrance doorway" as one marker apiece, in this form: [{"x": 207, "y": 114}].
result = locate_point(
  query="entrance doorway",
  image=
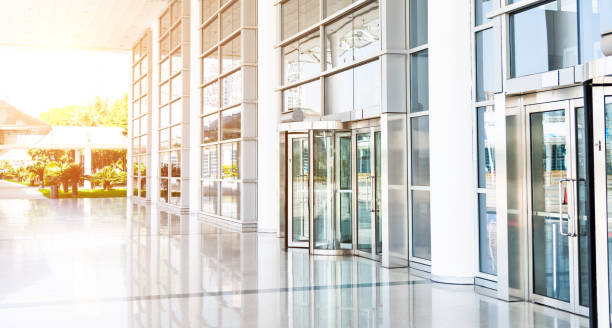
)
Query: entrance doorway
[
  {"x": 334, "y": 192},
  {"x": 556, "y": 179}
]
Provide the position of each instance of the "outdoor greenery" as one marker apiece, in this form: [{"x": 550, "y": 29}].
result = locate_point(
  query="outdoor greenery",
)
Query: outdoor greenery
[
  {"x": 57, "y": 167},
  {"x": 108, "y": 177},
  {"x": 102, "y": 112},
  {"x": 89, "y": 193}
]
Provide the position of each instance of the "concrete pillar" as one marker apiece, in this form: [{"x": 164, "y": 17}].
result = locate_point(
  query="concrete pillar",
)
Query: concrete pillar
[
  {"x": 453, "y": 233},
  {"x": 87, "y": 166}
]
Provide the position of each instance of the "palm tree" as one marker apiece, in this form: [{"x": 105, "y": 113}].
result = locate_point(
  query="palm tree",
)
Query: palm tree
[
  {"x": 108, "y": 177},
  {"x": 38, "y": 170}
]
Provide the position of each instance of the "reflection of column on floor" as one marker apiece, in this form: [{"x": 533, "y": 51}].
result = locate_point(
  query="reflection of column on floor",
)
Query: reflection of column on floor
[{"x": 87, "y": 166}]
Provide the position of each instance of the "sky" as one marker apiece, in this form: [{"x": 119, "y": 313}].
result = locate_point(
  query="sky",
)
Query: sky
[{"x": 37, "y": 79}]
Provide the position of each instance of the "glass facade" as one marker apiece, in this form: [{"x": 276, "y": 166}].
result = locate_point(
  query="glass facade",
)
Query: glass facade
[
  {"x": 141, "y": 114},
  {"x": 487, "y": 212},
  {"x": 222, "y": 64},
  {"x": 352, "y": 37},
  {"x": 418, "y": 119},
  {"x": 172, "y": 105},
  {"x": 485, "y": 65}
]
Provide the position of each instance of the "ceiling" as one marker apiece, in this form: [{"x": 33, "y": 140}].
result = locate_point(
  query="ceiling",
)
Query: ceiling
[{"x": 112, "y": 25}]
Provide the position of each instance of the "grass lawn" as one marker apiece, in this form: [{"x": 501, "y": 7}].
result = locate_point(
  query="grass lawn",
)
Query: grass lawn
[{"x": 88, "y": 193}]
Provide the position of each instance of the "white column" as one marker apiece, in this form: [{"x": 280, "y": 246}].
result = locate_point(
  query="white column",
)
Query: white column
[
  {"x": 87, "y": 166},
  {"x": 453, "y": 235},
  {"x": 268, "y": 117},
  {"x": 195, "y": 172},
  {"x": 154, "y": 100}
]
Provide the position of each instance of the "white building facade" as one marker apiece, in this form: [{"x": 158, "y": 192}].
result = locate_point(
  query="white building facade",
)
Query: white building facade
[{"x": 466, "y": 139}]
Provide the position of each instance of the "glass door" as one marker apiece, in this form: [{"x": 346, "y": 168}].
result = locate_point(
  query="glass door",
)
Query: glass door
[
  {"x": 368, "y": 193},
  {"x": 553, "y": 205},
  {"x": 344, "y": 190},
  {"x": 299, "y": 165}
]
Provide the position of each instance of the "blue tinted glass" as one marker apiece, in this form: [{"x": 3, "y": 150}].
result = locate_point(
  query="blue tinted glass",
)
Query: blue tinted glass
[
  {"x": 595, "y": 17},
  {"x": 419, "y": 81},
  {"x": 418, "y": 23},
  {"x": 544, "y": 38},
  {"x": 485, "y": 68},
  {"x": 482, "y": 7},
  {"x": 487, "y": 233}
]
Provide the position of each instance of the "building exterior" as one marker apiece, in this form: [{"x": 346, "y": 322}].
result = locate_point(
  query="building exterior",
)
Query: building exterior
[{"x": 467, "y": 139}]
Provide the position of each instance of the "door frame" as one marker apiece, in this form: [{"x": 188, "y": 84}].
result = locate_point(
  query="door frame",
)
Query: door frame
[
  {"x": 290, "y": 242},
  {"x": 601, "y": 88},
  {"x": 568, "y": 106},
  {"x": 374, "y": 234}
]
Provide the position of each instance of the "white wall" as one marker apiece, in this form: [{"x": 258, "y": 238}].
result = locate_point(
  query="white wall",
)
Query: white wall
[{"x": 453, "y": 236}]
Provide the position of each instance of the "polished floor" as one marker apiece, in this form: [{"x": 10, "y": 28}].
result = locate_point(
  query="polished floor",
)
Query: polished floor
[{"x": 110, "y": 263}]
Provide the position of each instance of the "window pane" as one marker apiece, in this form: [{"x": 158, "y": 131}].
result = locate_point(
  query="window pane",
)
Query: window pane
[
  {"x": 210, "y": 67},
  {"x": 366, "y": 32},
  {"x": 367, "y": 86},
  {"x": 209, "y": 162},
  {"x": 177, "y": 61},
  {"x": 595, "y": 18},
  {"x": 210, "y": 196},
  {"x": 211, "y": 98},
  {"x": 419, "y": 133},
  {"x": 482, "y": 7},
  {"x": 176, "y": 11},
  {"x": 230, "y": 19},
  {"x": 230, "y": 199},
  {"x": 163, "y": 190},
  {"x": 176, "y": 135},
  {"x": 485, "y": 68},
  {"x": 164, "y": 46},
  {"x": 231, "y": 89},
  {"x": 164, "y": 116},
  {"x": 487, "y": 234},
  {"x": 289, "y": 12},
  {"x": 339, "y": 41},
  {"x": 176, "y": 111},
  {"x": 164, "y": 139},
  {"x": 164, "y": 163},
  {"x": 164, "y": 22},
  {"x": 210, "y": 128},
  {"x": 230, "y": 156},
  {"x": 418, "y": 23},
  {"x": 310, "y": 55},
  {"x": 339, "y": 92},
  {"x": 309, "y": 13},
  {"x": 230, "y": 54},
  {"x": 306, "y": 97},
  {"x": 331, "y": 6},
  {"x": 177, "y": 87},
  {"x": 230, "y": 123},
  {"x": 419, "y": 81},
  {"x": 164, "y": 93},
  {"x": 544, "y": 38},
  {"x": 421, "y": 225},
  {"x": 291, "y": 63},
  {"x": 164, "y": 70},
  {"x": 175, "y": 37},
  {"x": 210, "y": 35},
  {"x": 209, "y": 7},
  {"x": 175, "y": 163},
  {"x": 175, "y": 191},
  {"x": 485, "y": 121}
]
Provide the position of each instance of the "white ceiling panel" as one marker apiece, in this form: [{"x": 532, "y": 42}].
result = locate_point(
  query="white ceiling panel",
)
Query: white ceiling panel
[{"x": 82, "y": 24}]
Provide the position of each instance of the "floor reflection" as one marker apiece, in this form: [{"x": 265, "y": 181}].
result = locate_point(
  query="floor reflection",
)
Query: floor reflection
[{"x": 116, "y": 264}]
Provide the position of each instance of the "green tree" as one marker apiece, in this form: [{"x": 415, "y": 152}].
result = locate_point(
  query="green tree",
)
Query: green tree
[{"x": 102, "y": 112}]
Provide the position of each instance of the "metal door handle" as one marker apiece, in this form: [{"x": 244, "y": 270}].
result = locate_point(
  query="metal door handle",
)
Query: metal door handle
[
  {"x": 373, "y": 209},
  {"x": 561, "y": 197}
]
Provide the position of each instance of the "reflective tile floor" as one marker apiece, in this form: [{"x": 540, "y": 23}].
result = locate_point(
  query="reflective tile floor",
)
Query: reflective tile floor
[{"x": 109, "y": 263}]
